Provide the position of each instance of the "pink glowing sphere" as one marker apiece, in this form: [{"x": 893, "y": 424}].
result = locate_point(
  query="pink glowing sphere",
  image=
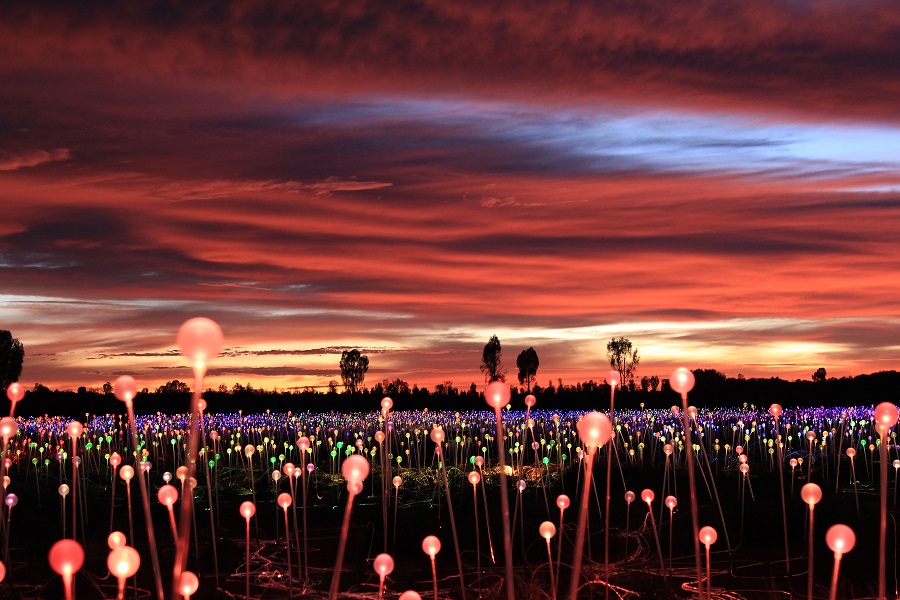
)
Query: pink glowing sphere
[
  {"x": 896, "y": 463},
  {"x": 840, "y": 539},
  {"x": 648, "y": 496},
  {"x": 744, "y": 468},
  {"x": 811, "y": 494},
  {"x": 613, "y": 378},
  {"x": 8, "y": 428},
  {"x": 739, "y": 449},
  {"x": 11, "y": 500},
  {"x": 431, "y": 545},
  {"x": 594, "y": 429},
  {"x": 115, "y": 540},
  {"x": 742, "y": 459},
  {"x": 15, "y": 392},
  {"x": 793, "y": 462},
  {"x": 682, "y": 380},
  {"x": 288, "y": 469},
  {"x": 126, "y": 473},
  {"x": 247, "y": 509},
  {"x": 547, "y": 530},
  {"x": 708, "y": 536},
  {"x": 201, "y": 405},
  {"x": 671, "y": 502},
  {"x": 851, "y": 452},
  {"x": 810, "y": 435},
  {"x": 775, "y": 410},
  {"x": 355, "y": 468},
  {"x": 63, "y": 490},
  {"x": 397, "y": 481},
  {"x": 668, "y": 449},
  {"x": 383, "y": 565},
  {"x": 479, "y": 461},
  {"x": 497, "y": 394},
  {"x": 123, "y": 562},
  {"x": 249, "y": 450},
  {"x": 75, "y": 429},
  {"x": 692, "y": 412},
  {"x": 520, "y": 485},
  {"x": 284, "y": 500},
  {"x": 125, "y": 388},
  {"x": 379, "y": 436},
  {"x": 675, "y": 410},
  {"x": 199, "y": 340},
  {"x": 474, "y": 477},
  {"x": 386, "y": 403},
  {"x": 276, "y": 475},
  {"x": 188, "y": 584},
  {"x": 563, "y": 502},
  {"x": 629, "y": 496},
  {"x": 2, "y": 571},
  {"x": 66, "y": 557},
  {"x": 410, "y": 595},
  {"x": 115, "y": 460},
  {"x": 167, "y": 495},
  {"x": 437, "y": 435},
  {"x": 181, "y": 473},
  {"x": 886, "y": 416},
  {"x": 530, "y": 400},
  {"x": 355, "y": 487}
]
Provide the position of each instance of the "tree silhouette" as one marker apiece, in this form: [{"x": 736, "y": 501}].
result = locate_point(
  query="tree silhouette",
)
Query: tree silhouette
[
  {"x": 623, "y": 357},
  {"x": 12, "y": 353},
  {"x": 528, "y": 363},
  {"x": 819, "y": 375},
  {"x": 490, "y": 361},
  {"x": 353, "y": 369}
]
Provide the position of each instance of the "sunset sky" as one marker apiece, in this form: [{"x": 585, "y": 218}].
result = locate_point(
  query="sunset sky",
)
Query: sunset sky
[{"x": 717, "y": 181}]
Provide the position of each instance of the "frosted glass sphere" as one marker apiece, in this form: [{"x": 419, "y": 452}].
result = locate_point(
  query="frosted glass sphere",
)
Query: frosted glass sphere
[
  {"x": 247, "y": 509},
  {"x": 648, "y": 496},
  {"x": 775, "y": 410},
  {"x": 75, "y": 429},
  {"x": 8, "y": 428},
  {"x": 562, "y": 501},
  {"x": 594, "y": 429},
  {"x": 66, "y": 557},
  {"x": 123, "y": 562},
  {"x": 384, "y": 565},
  {"x": 167, "y": 495},
  {"x": 811, "y": 493},
  {"x": 497, "y": 394},
  {"x": 126, "y": 473},
  {"x": 886, "y": 415},
  {"x": 284, "y": 500},
  {"x": 840, "y": 539},
  {"x": 15, "y": 392},
  {"x": 188, "y": 583},
  {"x": 200, "y": 339},
  {"x": 115, "y": 540},
  {"x": 671, "y": 501},
  {"x": 547, "y": 530},
  {"x": 431, "y": 545},
  {"x": 682, "y": 380},
  {"x": 474, "y": 477},
  {"x": 410, "y": 595},
  {"x": 355, "y": 468},
  {"x": 613, "y": 378},
  {"x": 437, "y": 435},
  {"x": 708, "y": 535},
  {"x": 397, "y": 481},
  {"x": 125, "y": 388},
  {"x": 629, "y": 496}
]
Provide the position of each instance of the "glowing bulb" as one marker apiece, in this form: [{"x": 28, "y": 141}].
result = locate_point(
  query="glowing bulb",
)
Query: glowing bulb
[
  {"x": 547, "y": 530},
  {"x": 594, "y": 429},
  {"x": 11, "y": 500},
  {"x": 379, "y": 436},
  {"x": 355, "y": 468},
  {"x": 811, "y": 494},
  {"x": 708, "y": 536},
  {"x": 167, "y": 495},
  {"x": 126, "y": 472},
  {"x": 397, "y": 481},
  {"x": 247, "y": 509},
  {"x": 647, "y": 496},
  {"x": 671, "y": 502},
  {"x": 682, "y": 380},
  {"x": 562, "y": 501},
  {"x": 63, "y": 490},
  {"x": 288, "y": 469},
  {"x": 410, "y": 595},
  {"x": 115, "y": 540},
  {"x": 437, "y": 435},
  {"x": 886, "y": 416},
  {"x": 613, "y": 378},
  {"x": 521, "y": 485},
  {"x": 383, "y": 565},
  {"x": 474, "y": 477},
  {"x": 851, "y": 452},
  {"x": 66, "y": 557},
  {"x": 629, "y": 496},
  {"x": 386, "y": 403},
  {"x": 840, "y": 539},
  {"x": 775, "y": 410},
  {"x": 188, "y": 584},
  {"x": 284, "y": 500},
  {"x": 8, "y": 428},
  {"x": 75, "y": 429},
  {"x": 199, "y": 340},
  {"x": 125, "y": 388},
  {"x": 431, "y": 545},
  {"x": 497, "y": 394},
  {"x": 530, "y": 400},
  {"x": 15, "y": 392},
  {"x": 123, "y": 562}
]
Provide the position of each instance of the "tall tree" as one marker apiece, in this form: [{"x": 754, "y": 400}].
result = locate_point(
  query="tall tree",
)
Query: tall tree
[
  {"x": 623, "y": 357},
  {"x": 528, "y": 363},
  {"x": 353, "y": 369},
  {"x": 819, "y": 375},
  {"x": 12, "y": 353},
  {"x": 490, "y": 361}
]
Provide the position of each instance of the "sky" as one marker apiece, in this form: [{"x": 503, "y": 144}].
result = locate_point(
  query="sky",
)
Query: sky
[{"x": 717, "y": 181}]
